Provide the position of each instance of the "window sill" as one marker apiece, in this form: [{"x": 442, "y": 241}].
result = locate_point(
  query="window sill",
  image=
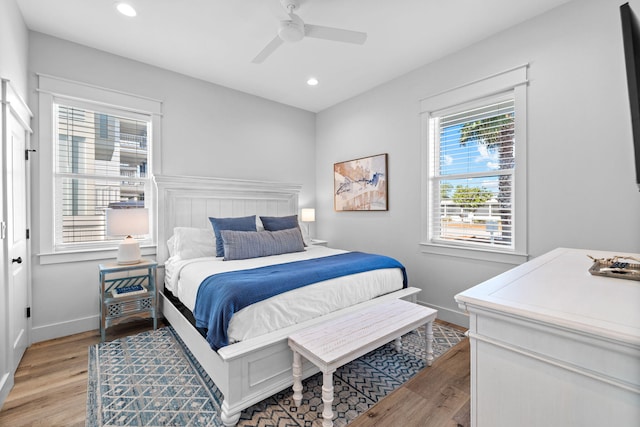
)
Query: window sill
[
  {"x": 502, "y": 257},
  {"x": 88, "y": 255}
]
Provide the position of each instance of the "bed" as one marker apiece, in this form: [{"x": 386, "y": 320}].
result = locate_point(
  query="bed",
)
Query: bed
[{"x": 256, "y": 363}]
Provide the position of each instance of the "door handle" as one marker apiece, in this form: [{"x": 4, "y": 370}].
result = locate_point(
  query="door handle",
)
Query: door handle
[{"x": 18, "y": 260}]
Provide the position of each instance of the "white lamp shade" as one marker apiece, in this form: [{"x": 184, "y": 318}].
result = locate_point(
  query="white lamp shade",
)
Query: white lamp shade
[
  {"x": 128, "y": 222},
  {"x": 308, "y": 215}
]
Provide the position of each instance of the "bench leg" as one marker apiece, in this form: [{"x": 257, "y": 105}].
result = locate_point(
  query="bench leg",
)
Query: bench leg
[
  {"x": 297, "y": 378},
  {"x": 429, "y": 343},
  {"x": 399, "y": 344},
  {"x": 327, "y": 399}
]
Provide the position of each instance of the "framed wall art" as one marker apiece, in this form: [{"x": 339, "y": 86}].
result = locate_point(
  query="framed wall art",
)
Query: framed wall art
[{"x": 361, "y": 184}]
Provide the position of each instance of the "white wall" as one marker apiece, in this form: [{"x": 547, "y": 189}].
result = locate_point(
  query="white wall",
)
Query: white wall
[
  {"x": 207, "y": 130},
  {"x": 14, "y": 38},
  {"x": 581, "y": 181}
]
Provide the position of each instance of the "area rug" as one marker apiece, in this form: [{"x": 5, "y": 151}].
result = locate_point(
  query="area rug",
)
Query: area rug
[{"x": 151, "y": 379}]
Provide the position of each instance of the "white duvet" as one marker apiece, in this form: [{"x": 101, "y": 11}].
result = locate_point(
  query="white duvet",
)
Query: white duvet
[{"x": 183, "y": 277}]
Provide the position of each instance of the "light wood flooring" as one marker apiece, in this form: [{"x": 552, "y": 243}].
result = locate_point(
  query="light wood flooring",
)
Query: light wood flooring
[
  {"x": 51, "y": 387},
  {"x": 438, "y": 396}
]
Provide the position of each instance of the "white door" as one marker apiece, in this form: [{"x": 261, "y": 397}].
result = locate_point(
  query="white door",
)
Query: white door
[
  {"x": 6, "y": 379},
  {"x": 17, "y": 243}
]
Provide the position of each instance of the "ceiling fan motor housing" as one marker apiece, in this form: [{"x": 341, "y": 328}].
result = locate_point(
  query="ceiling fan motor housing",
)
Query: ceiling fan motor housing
[{"x": 291, "y": 30}]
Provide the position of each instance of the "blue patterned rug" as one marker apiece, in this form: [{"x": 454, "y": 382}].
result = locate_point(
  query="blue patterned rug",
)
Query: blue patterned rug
[{"x": 151, "y": 379}]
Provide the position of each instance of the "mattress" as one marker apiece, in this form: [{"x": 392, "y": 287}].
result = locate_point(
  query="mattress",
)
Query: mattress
[{"x": 183, "y": 278}]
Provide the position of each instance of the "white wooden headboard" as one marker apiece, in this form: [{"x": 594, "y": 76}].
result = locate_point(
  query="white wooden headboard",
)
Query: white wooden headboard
[{"x": 190, "y": 201}]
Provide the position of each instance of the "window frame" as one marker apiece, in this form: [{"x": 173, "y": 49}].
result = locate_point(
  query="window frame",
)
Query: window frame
[
  {"x": 54, "y": 90},
  {"x": 515, "y": 81}
]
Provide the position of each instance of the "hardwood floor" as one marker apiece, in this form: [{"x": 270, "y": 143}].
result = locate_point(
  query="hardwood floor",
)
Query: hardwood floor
[
  {"x": 51, "y": 387},
  {"x": 51, "y": 381},
  {"x": 438, "y": 396}
]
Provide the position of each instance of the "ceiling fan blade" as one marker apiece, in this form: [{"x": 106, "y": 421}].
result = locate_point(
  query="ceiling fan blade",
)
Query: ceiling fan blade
[
  {"x": 335, "y": 34},
  {"x": 268, "y": 50}
]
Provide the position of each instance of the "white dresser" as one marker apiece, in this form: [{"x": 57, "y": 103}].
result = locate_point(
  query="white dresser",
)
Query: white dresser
[{"x": 553, "y": 345}]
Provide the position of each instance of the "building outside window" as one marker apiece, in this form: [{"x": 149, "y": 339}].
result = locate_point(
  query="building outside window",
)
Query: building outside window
[{"x": 101, "y": 162}]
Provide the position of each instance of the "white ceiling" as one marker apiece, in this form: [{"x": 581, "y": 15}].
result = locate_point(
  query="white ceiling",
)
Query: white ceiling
[{"x": 215, "y": 40}]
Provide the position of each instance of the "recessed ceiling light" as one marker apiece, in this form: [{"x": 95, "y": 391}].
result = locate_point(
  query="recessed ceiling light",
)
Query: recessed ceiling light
[
  {"x": 312, "y": 81},
  {"x": 126, "y": 9}
]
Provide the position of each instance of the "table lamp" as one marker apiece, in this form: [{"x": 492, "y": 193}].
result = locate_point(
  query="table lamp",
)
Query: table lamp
[{"x": 128, "y": 222}]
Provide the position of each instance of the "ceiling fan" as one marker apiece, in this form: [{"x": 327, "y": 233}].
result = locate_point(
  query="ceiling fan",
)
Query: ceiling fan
[{"x": 294, "y": 29}]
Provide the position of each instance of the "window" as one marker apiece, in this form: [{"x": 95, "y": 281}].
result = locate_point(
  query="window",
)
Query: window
[
  {"x": 471, "y": 174},
  {"x": 98, "y": 150},
  {"x": 101, "y": 162},
  {"x": 473, "y": 185}
]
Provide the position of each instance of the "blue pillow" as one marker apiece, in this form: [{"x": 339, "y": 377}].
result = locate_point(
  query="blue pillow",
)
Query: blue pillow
[
  {"x": 244, "y": 223},
  {"x": 247, "y": 244},
  {"x": 276, "y": 223}
]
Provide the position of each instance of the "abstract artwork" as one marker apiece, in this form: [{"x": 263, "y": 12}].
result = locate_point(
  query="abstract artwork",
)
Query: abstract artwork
[{"x": 361, "y": 184}]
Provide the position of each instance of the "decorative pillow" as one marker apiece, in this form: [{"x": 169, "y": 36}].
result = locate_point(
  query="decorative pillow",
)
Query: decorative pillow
[
  {"x": 244, "y": 223},
  {"x": 245, "y": 244},
  {"x": 275, "y": 223},
  {"x": 190, "y": 242}
]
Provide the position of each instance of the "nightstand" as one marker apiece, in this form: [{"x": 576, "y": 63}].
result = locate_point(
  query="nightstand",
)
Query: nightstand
[
  {"x": 317, "y": 242},
  {"x": 115, "y": 309}
]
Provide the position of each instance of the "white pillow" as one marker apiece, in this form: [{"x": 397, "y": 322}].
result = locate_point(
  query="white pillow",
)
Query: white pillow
[
  {"x": 171, "y": 245},
  {"x": 305, "y": 236},
  {"x": 190, "y": 242}
]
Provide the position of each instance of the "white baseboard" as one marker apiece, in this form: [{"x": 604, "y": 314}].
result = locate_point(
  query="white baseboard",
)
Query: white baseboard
[
  {"x": 448, "y": 315},
  {"x": 6, "y": 384},
  {"x": 62, "y": 329}
]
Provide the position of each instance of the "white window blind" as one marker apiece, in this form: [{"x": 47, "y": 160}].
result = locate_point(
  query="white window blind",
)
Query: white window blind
[
  {"x": 471, "y": 174},
  {"x": 101, "y": 161}
]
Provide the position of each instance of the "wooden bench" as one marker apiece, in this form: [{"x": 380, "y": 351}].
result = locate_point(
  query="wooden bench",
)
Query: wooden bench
[{"x": 341, "y": 340}]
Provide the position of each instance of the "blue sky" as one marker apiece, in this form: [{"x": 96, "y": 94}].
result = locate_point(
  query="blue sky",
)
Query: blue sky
[{"x": 472, "y": 157}]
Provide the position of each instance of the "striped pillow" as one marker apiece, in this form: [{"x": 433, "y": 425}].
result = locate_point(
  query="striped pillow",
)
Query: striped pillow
[
  {"x": 254, "y": 244},
  {"x": 244, "y": 223}
]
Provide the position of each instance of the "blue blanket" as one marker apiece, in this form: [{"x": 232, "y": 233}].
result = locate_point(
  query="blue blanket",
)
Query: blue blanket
[{"x": 223, "y": 294}]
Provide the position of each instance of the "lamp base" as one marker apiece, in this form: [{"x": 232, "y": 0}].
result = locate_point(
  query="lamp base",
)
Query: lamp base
[{"x": 129, "y": 252}]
